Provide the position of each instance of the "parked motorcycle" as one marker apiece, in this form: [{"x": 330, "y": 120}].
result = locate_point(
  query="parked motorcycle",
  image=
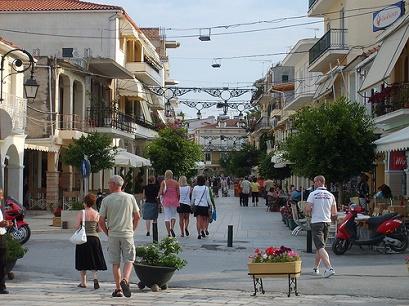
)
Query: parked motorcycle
[
  {"x": 388, "y": 229},
  {"x": 14, "y": 212}
]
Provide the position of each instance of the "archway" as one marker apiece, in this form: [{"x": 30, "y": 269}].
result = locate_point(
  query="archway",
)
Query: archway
[{"x": 13, "y": 174}]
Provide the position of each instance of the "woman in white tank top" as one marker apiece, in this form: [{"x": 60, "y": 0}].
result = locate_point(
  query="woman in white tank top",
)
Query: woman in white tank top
[{"x": 184, "y": 208}]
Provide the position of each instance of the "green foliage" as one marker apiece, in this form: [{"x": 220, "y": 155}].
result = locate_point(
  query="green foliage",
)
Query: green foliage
[
  {"x": 75, "y": 205},
  {"x": 240, "y": 163},
  {"x": 165, "y": 254},
  {"x": 172, "y": 150},
  {"x": 98, "y": 147},
  {"x": 14, "y": 249},
  {"x": 266, "y": 169},
  {"x": 333, "y": 139}
]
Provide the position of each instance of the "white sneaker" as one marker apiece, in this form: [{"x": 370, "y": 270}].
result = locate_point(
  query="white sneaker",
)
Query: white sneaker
[
  {"x": 315, "y": 271},
  {"x": 329, "y": 273}
]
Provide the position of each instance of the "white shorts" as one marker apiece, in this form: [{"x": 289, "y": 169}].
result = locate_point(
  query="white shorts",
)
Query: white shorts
[{"x": 170, "y": 213}]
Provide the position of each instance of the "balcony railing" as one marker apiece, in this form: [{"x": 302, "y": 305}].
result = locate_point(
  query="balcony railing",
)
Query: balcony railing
[
  {"x": 71, "y": 122},
  {"x": 390, "y": 99},
  {"x": 334, "y": 39},
  {"x": 108, "y": 117},
  {"x": 17, "y": 109}
]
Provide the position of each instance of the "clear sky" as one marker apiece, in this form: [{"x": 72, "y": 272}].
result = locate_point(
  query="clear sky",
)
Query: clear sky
[{"x": 191, "y": 62}]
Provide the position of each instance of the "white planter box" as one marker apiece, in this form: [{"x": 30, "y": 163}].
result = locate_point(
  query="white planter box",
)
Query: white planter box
[{"x": 70, "y": 217}]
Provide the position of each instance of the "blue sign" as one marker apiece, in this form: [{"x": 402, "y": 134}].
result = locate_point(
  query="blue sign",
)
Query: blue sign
[
  {"x": 387, "y": 16},
  {"x": 85, "y": 168}
]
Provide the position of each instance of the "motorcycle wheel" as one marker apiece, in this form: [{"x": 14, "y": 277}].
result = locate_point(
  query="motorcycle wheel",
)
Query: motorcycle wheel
[
  {"x": 403, "y": 238},
  {"x": 340, "y": 246},
  {"x": 22, "y": 234}
]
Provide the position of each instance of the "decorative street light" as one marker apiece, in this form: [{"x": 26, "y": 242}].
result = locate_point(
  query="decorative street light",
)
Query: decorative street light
[{"x": 30, "y": 86}]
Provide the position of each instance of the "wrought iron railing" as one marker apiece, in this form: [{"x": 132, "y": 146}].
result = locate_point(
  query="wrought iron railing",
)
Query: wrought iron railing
[
  {"x": 390, "y": 99},
  {"x": 17, "y": 109},
  {"x": 112, "y": 118},
  {"x": 334, "y": 39}
]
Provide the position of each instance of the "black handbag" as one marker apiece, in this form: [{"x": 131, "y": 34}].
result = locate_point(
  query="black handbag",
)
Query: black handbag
[{"x": 193, "y": 206}]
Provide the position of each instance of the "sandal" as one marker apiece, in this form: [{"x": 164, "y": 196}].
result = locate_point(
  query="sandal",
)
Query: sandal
[
  {"x": 117, "y": 293},
  {"x": 82, "y": 286},
  {"x": 96, "y": 284}
]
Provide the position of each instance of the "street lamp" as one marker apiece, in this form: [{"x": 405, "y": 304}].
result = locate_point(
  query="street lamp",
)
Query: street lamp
[{"x": 30, "y": 86}]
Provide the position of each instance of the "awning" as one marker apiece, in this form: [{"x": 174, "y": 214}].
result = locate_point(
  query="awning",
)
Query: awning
[
  {"x": 326, "y": 83},
  {"x": 126, "y": 159},
  {"x": 44, "y": 145},
  {"x": 386, "y": 58},
  {"x": 109, "y": 68},
  {"x": 279, "y": 161},
  {"x": 395, "y": 141},
  {"x": 131, "y": 88}
]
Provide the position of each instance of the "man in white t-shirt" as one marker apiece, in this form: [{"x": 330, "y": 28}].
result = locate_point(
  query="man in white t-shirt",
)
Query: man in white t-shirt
[{"x": 322, "y": 207}]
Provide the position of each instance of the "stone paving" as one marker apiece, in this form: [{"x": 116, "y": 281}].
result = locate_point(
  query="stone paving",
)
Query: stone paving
[{"x": 215, "y": 275}]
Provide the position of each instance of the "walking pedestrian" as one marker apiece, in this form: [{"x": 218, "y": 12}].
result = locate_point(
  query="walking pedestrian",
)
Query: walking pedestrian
[
  {"x": 245, "y": 191},
  {"x": 169, "y": 190},
  {"x": 255, "y": 188},
  {"x": 3, "y": 247},
  {"x": 201, "y": 200},
  {"x": 150, "y": 208},
  {"x": 184, "y": 209},
  {"x": 89, "y": 255},
  {"x": 121, "y": 214},
  {"x": 322, "y": 207},
  {"x": 267, "y": 186}
]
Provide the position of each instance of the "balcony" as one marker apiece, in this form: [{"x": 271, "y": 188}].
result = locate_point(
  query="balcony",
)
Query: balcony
[
  {"x": 70, "y": 126},
  {"x": 316, "y": 8},
  {"x": 16, "y": 107},
  {"x": 390, "y": 106},
  {"x": 146, "y": 73},
  {"x": 110, "y": 120},
  {"x": 328, "y": 50}
]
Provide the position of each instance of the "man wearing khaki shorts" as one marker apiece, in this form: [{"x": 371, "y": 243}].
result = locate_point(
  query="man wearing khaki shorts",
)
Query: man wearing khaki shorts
[
  {"x": 119, "y": 217},
  {"x": 322, "y": 208}
]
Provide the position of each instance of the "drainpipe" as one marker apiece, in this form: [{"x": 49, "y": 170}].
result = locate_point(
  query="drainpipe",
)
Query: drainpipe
[{"x": 49, "y": 95}]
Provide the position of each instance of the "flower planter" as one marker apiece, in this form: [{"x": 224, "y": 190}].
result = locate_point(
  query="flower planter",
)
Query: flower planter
[
  {"x": 57, "y": 221},
  {"x": 151, "y": 275},
  {"x": 275, "y": 268}
]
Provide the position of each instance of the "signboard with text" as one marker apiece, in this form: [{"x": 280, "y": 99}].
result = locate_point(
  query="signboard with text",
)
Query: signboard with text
[
  {"x": 387, "y": 16},
  {"x": 397, "y": 160}
]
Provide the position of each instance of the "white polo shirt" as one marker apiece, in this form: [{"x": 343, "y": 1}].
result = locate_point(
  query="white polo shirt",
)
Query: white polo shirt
[
  {"x": 2, "y": 229},
  {"x": 321, "y": 200}
]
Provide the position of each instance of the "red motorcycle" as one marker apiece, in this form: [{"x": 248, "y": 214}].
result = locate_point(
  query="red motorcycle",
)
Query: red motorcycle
[
  {"x": 14, "y": 212},
  {"x": 388, "y": 229}
]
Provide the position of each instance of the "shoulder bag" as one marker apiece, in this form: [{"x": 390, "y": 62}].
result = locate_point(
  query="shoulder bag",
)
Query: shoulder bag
[
  {"x": 193, "y": 208},
  {"x": 80, "y": 236}
]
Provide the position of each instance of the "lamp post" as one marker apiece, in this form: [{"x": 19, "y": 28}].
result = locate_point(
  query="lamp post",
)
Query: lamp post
[{"x": 30, "y": 86}]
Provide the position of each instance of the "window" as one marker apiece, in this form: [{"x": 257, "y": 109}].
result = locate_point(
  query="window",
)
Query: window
[
  {"x": 208, "y": 156},
  {"x": 284, "y": 78}
]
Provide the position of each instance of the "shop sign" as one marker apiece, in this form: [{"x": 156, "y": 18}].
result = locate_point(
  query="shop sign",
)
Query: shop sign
[
  {"x": 387, "y": 16},
  {"x": 397, "y": 160}
]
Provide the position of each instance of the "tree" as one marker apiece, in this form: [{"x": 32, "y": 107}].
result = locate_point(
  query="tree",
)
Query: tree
[
  {"x": 172, "y": 150},
  {"x": 97, "y": 147},
  {"x": 334, "y": 139},
  {"x": 266, "y": 169},
  {"x": 240, "y": 163}
]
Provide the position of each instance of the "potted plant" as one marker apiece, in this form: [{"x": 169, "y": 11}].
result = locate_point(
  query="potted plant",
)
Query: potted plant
[
  {"x": 275, "y": 261},
  {"x": 57, "y": 216},
  {"x": 14, "y": 251},
  {"x": 156, "y": 263}
]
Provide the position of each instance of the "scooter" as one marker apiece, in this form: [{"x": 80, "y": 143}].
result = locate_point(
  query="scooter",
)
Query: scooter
[
  {"x": 14, "y": 211},
  {"x": 388, "y": 229}
]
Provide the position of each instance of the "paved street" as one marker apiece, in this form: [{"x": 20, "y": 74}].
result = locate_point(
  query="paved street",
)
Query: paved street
[{"x": 215, "y": 274}]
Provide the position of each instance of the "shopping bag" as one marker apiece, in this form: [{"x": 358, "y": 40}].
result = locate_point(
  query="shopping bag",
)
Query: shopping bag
[
  {"x": 80, "y": 236},
  {"x": 214, "y": 215}
]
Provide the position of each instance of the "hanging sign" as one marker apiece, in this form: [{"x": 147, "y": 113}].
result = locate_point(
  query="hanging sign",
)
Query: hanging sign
[
  {"x": 387, "y": 16},
  {"x": 85, "y": 168},
  {"x": 397, "y": 160}
]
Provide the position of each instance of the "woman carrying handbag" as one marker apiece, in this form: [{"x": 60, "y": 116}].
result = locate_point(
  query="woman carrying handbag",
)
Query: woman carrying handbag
[
  {"x": 201, "y": 202},
  {"x": 89, "y": 255}
]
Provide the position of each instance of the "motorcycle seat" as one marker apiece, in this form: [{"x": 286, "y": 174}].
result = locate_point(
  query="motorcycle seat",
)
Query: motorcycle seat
[{"x": 375, "y": 221}]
